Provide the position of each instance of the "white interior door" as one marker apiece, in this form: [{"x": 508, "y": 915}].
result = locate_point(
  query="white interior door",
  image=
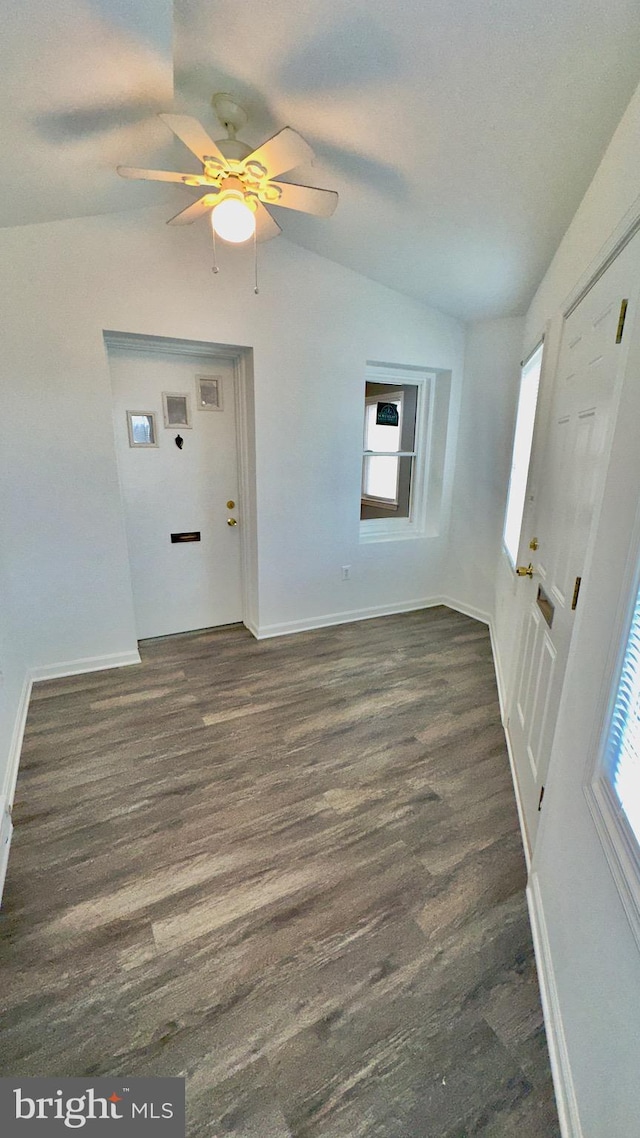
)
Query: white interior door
[
  {"x": 575, "y": 454},
  {"x": 179, "y": 584}
]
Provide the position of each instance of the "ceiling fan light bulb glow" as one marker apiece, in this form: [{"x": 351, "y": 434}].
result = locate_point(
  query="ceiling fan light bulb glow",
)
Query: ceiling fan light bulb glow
[{"x": 233, "y": 220}]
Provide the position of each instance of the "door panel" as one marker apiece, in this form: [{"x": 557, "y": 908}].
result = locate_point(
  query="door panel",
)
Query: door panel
[
  {"x": 574, "y": 459},
  {"x": 178, "y": 587},
  {"x": 535, "y": 688}
]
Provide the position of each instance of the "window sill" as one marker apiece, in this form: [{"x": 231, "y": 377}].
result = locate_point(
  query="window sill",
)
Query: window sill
[{"x": 393, "y": 529}]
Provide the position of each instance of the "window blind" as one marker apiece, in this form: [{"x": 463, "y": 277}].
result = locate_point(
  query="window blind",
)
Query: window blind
[{"x": 623, "y": 744}]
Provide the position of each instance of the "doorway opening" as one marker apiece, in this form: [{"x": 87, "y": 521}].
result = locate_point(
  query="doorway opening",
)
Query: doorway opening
[{"x": 187, "y": 480}]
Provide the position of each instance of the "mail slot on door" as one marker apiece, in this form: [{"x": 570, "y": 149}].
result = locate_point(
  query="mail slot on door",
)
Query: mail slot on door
[{"x": 180, "y": 537}]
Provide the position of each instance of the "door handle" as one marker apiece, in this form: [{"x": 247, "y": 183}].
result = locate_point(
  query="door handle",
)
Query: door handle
[
  {"x": 525, "y": 570},
  {"x": 232, "y": 522}
]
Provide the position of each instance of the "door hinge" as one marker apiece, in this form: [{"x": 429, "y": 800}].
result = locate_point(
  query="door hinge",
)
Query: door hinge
[
  {"x": 621, "y": 319},
  {"x": 576, "y": 593},
  {"x": 540, "y": 798}
]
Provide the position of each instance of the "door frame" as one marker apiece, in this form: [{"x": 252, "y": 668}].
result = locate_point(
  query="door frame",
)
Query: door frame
[
  {"x": 243, "y": 388},
  {"x": 551, "y": 334}
]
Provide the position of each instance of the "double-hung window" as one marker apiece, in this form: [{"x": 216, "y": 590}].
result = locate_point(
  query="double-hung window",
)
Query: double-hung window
[{"x": 404, "y": 449}]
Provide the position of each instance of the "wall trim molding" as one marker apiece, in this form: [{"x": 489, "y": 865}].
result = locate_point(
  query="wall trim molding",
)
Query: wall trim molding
[
  {"x": 465, "y": 609},
  {"x": 84, "y": 664},
  {"x": 566, "y": 1101},
  {"x": 8, "y": 789},
  {"x": 287, "y": 628},
  {"x": 170, "y": 345},
  {"x": 623, "y": 233},
  {"x": 15, "y": 747}
]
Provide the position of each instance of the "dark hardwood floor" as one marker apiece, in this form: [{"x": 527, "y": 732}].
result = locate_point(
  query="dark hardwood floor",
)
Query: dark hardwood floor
[{"x": 290, "y": 871}]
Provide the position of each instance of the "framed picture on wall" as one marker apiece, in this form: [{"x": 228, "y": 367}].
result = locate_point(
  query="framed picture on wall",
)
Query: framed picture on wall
[
  {"x": 176, "y": 409},
  {"x": 209, "y": 392},
  {"x": 142, "y": 429}
]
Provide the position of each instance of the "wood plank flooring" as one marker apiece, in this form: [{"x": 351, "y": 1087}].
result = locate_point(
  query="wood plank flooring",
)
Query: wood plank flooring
[{"x": 289, "y": 870}]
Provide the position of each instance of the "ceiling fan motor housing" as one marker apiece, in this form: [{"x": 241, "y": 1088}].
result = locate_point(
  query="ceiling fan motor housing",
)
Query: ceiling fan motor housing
[{"x": 234, "y": 149}]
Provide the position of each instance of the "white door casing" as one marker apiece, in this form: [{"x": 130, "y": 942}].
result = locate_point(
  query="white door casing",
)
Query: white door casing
[
  {"x": 178, "y": 587},
  {"x": 572, "y": 465}
]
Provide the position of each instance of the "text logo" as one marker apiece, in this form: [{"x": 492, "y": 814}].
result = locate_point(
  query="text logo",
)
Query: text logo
[{"x": 136, "y": 1107}]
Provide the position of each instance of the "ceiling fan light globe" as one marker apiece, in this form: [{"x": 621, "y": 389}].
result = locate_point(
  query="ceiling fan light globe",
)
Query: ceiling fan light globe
[{"x": 233, "y": 220}]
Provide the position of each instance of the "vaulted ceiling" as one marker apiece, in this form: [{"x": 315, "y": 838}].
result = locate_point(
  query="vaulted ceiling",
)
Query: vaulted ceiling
[{"x": 460, "y": 135}]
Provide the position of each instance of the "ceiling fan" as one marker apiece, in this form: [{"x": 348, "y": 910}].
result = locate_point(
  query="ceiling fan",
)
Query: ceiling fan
[{"x": 240, "y": 182}]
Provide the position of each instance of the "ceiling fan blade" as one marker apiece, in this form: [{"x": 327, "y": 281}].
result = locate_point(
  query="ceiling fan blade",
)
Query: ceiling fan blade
[
  {"x": 194, "y": 136},
  {"x": 307, "y": 199},
  {"x": 266, "y": 226},
  {"x": 162, "y": 176},
  {"x": 194, "y": 211},
  {"x": 285, "y": 150}
]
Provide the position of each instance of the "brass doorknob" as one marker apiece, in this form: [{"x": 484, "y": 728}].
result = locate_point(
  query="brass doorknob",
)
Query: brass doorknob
[
  {"x": 232, "y": 522},
  {"x": 525, "y": 570}
]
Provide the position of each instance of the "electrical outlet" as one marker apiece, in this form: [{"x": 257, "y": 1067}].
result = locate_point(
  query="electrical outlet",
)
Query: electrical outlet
[{"x": 346, "y": 572}]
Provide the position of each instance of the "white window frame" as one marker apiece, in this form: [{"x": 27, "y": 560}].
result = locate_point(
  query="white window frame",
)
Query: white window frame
[
  {"x": 414, "y": 526},
  {"x": 620, "y": 844}
]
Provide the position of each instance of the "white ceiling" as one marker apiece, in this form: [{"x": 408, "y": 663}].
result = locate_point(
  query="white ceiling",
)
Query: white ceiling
[{"x": 460, "y": 135}]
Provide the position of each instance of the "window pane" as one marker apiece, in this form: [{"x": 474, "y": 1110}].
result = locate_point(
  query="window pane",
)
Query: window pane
[
  {"x": 142, "y": 429},
  {"x": 623, "y": 746},
  {"x": 381, "y": 477},
  {"x": 529, "y": 382},
  {"x": 381, "y": 436}
]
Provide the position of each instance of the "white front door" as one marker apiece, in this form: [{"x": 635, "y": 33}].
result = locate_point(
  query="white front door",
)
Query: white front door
[
  {"x": 172, "y": 494},
  {"x": 586, "y": 392}
]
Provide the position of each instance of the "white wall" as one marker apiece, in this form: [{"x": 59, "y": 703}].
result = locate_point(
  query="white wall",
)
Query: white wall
[
  {"x": 312, "y": 327},
  {"x": 594, "y": 962},
  {"x": 485, "y": 439}
]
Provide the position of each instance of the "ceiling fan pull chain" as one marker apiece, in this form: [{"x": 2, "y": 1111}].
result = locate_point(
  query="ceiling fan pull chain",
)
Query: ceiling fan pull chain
[
  {"x": 255, "y": 258},
  {"x": 215, "y": 268}
]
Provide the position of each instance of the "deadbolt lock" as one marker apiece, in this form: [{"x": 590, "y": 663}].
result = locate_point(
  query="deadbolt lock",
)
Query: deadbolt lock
[
  {"x": 232, "y": 522},
  {"x": 230, "y": 504},
  {"x": 533, "y": 544},
  {"x": 525, "y": 570}
]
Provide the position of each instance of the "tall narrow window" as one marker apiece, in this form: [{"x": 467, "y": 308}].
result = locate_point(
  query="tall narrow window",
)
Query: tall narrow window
[{"x": 523, "y": 439}]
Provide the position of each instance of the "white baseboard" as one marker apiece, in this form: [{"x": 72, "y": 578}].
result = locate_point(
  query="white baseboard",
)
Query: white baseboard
[
  {"x": 252, "y": 628},
  {"x": 11, "y": 777},
  {"x": 84, "y": 664},
  {"x": 465, "y": 609},
  {"x": 566, "y": 1101},
  {"x": 500, "y": 680},
  {"x": 286, "y": 628},
  {"x": 307, "y": 624},
  {"x": 8, "y": 788}
]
